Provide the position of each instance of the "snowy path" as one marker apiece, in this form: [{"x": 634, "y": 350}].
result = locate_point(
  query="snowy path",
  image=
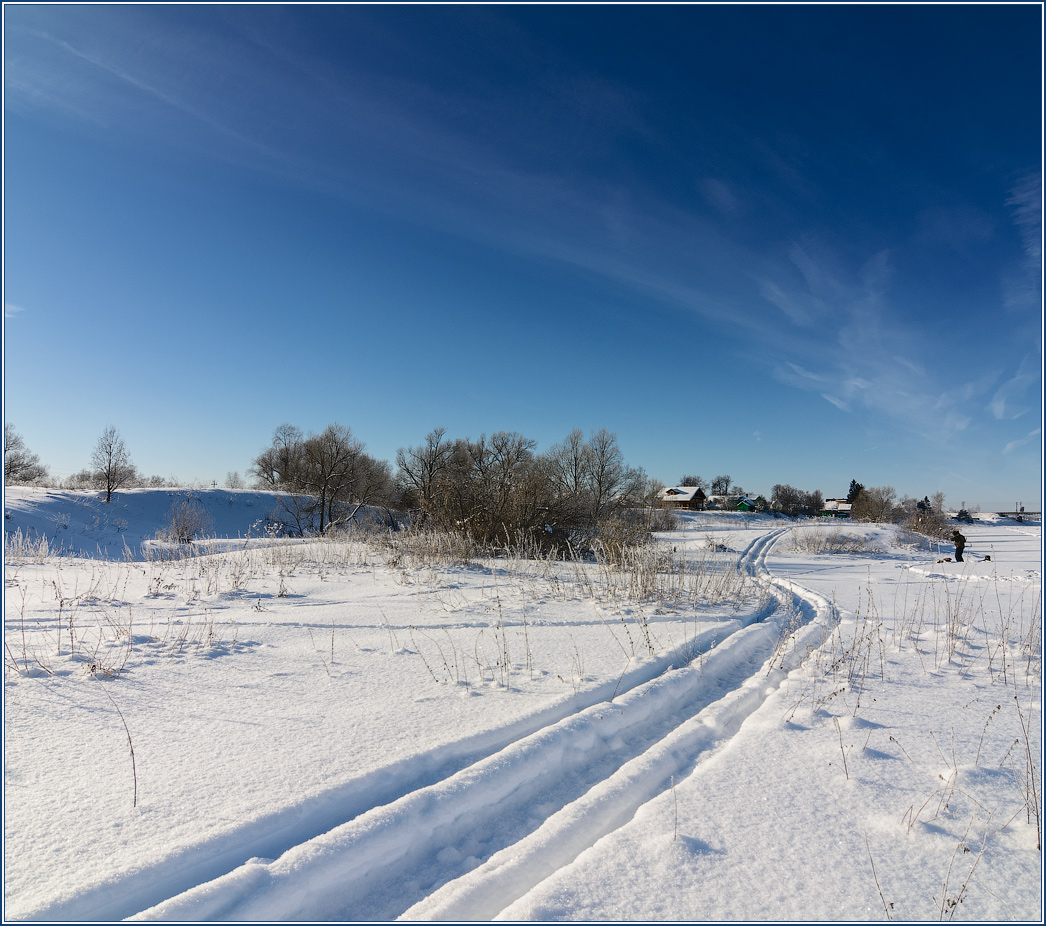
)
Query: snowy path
[
  {"x": 273, "y": 835},
  {"x": 468, "y": 844}
]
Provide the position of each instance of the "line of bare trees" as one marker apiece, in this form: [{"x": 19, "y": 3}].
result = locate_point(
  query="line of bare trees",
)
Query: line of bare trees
[
  {"x": 327, "y": 477},
  {"x": 496, "y": 490},
  {"x": 796, "y": 502},
  {"x": 111, "y": 466},
  {"x": 880, "y": 504},
  {"x": 720, "y": 485}
]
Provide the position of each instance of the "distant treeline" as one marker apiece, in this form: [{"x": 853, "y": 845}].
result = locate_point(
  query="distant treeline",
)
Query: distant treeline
[{"x": 497, "y": 490}]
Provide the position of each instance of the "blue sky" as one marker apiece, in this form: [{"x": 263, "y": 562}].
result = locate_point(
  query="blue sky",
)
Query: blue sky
[{"x": 795, "y": 244}]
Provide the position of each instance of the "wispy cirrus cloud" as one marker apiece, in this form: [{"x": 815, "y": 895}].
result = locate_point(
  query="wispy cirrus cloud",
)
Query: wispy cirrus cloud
[
  {"x": 1023, "y": 284},
  {"x": 866, "y": 357},
  {"x": 798, "y": 310},
  {"x": 97, "y": 77},
  {"x": 1025, "y": 203},
  {"x": 446, "y": 161},
  {"x": 11, "y": 310},
  {"x": 838, "y": 403},
  {"x": 1010, "y": 399},
  {"x": 452, "y": 162},
  {"x": 1016, "y": 444}
]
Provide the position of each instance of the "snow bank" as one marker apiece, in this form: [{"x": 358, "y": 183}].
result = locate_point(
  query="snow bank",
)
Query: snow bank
[{"x": 82, "y": 524}]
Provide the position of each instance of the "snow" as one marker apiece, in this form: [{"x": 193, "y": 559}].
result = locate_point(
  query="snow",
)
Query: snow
[{"x": 357, "y": 730}]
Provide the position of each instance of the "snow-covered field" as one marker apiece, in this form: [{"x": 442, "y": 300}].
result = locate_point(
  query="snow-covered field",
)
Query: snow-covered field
[{"x": 756, "y": 720}]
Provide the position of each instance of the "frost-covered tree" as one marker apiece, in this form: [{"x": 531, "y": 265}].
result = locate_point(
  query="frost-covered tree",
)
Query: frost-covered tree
[
  {"x": 20, "y": 463},
  {"x": 186, "y": 521},
  {"x": 112, "y": 464}
]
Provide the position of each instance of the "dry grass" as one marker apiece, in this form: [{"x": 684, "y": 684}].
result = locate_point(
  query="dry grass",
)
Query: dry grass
[{"x": 832, "y": 539}]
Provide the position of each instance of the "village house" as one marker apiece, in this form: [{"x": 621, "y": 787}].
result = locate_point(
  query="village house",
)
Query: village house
[
  {"x": 736, "y": 503},
  {"x": 692, "y": 498},
  {"x": 836, "y": 508}
]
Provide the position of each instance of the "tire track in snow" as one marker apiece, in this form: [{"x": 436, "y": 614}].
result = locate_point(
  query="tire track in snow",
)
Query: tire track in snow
[
  {"x": 377, "y": 865},
  {"x": 271, "y": 835},
  {"x": 531, "y": 807},
  {"x": 274, "y": 834},
  {"x": 508, "y": 875}
]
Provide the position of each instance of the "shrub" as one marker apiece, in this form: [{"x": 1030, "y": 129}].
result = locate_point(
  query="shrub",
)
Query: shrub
[
  {"x": 626, "y": 530},
  {"x": 832, "y": 540},
  {"x": 185, "y": 522},
  {"x": 929, "y": 522},
  {"x": 875, "y": 504}
]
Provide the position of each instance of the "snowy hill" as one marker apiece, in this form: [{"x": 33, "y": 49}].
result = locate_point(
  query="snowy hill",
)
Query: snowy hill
[{"x": 82, "y": 524}]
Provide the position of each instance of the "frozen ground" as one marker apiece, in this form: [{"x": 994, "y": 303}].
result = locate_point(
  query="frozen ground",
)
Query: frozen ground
[{"x": 764, "y": 720}]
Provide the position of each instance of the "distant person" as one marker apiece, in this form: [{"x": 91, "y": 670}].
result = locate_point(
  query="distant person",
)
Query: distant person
[{"x": 960, "y": 544}]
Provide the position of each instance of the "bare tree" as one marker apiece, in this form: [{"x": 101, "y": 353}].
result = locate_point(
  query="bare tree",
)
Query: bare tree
[
  {"x": 591, "y": 478},
  {"x": 926, "y": 516},
  {"x": 614, "y": 484},
  {"x": 112, "y": 464},
  {"x": 569, "y": 463},
  {"x": 875, "y": 504},
  {"x": 694, "y": 481},
  {"x": 372, "y": 484},
  {"x": 491, "y": 488},
  {"x": 421, "y": 471},
  {"x": 795, "y": 502},
  {"x": 20, "y": 463},
  {"x": 279, "y": 465},
  {"x": 595, "y": 494},
  {"x": 568, "y": 467},
  {"x": 330, "y": 462},
  {"x": 720, "y": 485},
  {"x": 652, "y": 492},
  {"x": 497, "y": 490},
  {"x": 85, "y": 479},
  {"x": 320, "y": 475}
]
